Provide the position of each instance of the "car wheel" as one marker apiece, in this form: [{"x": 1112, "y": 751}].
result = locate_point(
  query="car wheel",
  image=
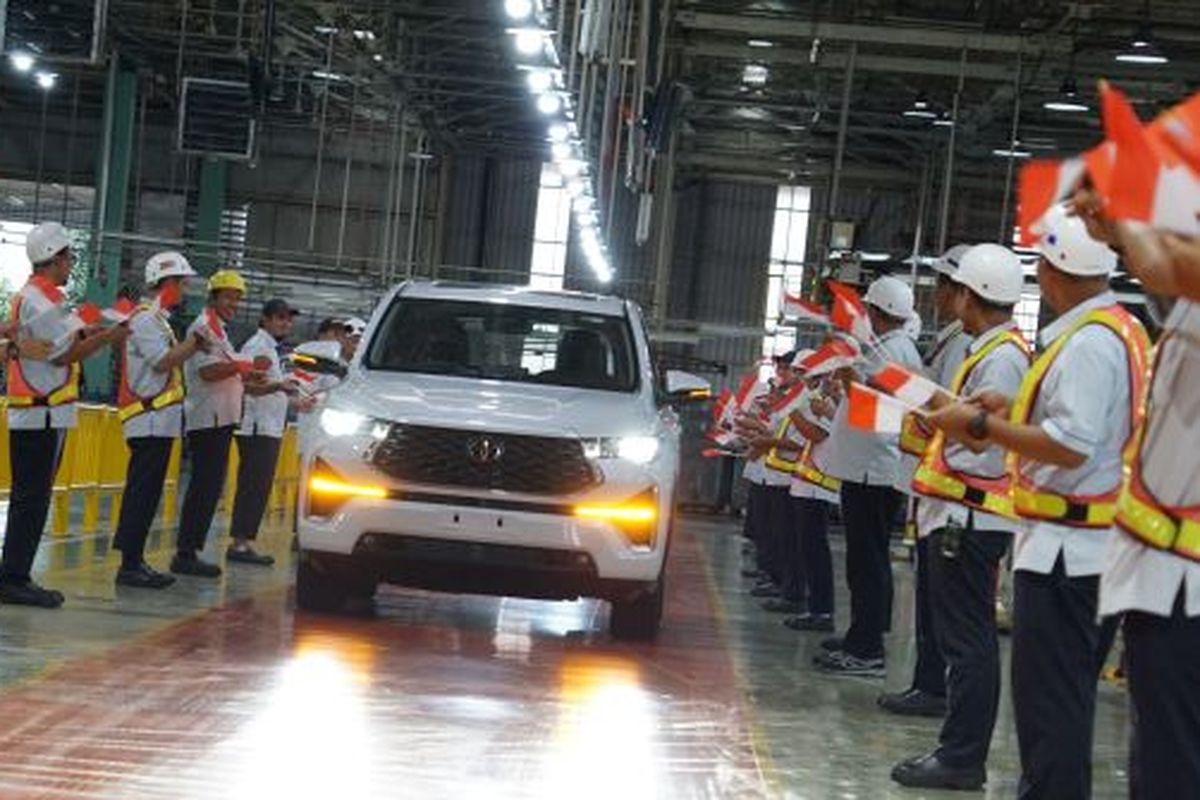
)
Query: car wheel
[
  {"x": 325, "y": 585},
  {"x": 640, "y": 617}
]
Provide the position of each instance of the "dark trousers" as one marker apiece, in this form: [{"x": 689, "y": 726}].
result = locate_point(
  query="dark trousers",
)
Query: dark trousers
[
  {"x": 1163, "y": 661},
  {"x": 963, "y": 601},
  {"x": 749, "y": 520},
  {"x": 257, "y": 458},
  {"x": 210, "y": 461},
  {"x": 929, "y": 673},
  {"x": 33, "y": 459},
  {"x": 760, "y": 511},
  {"x": 868, "y": 512},
  {"x": 780, "y": 539},
  {"x": 148, "y": 460},
  {"x": 812, "y": 520},
  {"x": 1054, "y": 644}
]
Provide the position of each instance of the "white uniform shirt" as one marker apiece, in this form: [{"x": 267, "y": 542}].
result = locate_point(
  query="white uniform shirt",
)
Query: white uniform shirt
[
  {"x": 772, "y": 476},
  {"x": 43, "y": 318},
  {"x": 869, "y": 458},
  {"x": 1001, "y": 371},
  {"x": 1083, "y": 405},
  {"x": 947, "y": 354},
  {"x": 1137, "y": 577},
  {"x": 801, "y": 487},
  {"x": 211, "y": 404},
  {"x": 150, "y": 338},
  {"x": 264, "y": 414}
]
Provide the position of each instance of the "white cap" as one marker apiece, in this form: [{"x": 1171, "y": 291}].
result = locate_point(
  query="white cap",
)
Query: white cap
[
  {"x": 950, "y": 261},
  {"x": 801, "y": 355},
  {"x": 1067, "y": 245},
  {"x": 45, "y": 241},
  {"x": 168, "y": 264},
  {"x": 891, "y": 296},
  {"x": 993, "y": 272},
  {"x": 355, "y": 326}
]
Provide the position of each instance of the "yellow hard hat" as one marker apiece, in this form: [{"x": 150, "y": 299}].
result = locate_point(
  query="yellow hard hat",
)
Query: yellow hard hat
[{"x": 226, "y": 279}]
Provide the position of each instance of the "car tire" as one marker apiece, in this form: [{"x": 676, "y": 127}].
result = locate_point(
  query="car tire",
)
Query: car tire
[
  {"x": 640, "y": 617},
  {"x": 325, "y": 585}
]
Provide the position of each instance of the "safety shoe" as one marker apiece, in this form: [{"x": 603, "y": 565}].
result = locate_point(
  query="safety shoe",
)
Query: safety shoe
[
  {"x": 777, "y": 605},
  {"x": 811, "y": 622},
  {"x": 832, "y": 644},
  {"x": 190, "y": 564},
  {"x": 28, "y": 593},
  {"x": 248, "y": 555},
  {"x": 913, "y": 703},
  {"x": 840, "y": 662},
  {"x": 764, "y": 590},
  {"x": 928, "y": 772},
  {"x": 143, "y": 576}
]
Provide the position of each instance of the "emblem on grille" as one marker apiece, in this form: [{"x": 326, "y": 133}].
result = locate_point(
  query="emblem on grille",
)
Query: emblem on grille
[{"x": 484, "y": 450}]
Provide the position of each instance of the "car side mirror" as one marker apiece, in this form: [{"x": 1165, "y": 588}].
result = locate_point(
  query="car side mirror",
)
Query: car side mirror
[
  {"x": 319, "y": 365},
  {"x": 684, "y": 386}
]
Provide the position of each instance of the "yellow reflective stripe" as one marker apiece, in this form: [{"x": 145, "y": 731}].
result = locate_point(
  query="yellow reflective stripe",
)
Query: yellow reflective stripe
[
  {"x": 951, "y": 488},
  {"x": 1158, "y": 528},
  {"x": 67, "y": 393},
  {"x": 912, "y": 441},
  {"x": 818, "y": 478},
  {"x": 1055, "y": 508},
  {"x": 774, "y": 460},
  {"x": 160, "y": 401}
]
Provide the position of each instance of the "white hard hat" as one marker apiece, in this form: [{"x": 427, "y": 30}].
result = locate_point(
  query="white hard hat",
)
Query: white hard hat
[
  {"x": 993, "y": 272},
  {"x": 1067, "y": 245},
  {"x": 355, "y": 326},
  {"x": 168, "y": 264},
  {"x": 45, "y": 241},
  {"x": 950, "y": 261},
  {"x": 891, "y": 296}
]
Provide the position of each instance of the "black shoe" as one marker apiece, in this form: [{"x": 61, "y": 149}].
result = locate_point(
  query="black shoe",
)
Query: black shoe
[
  {"x": 248, "y": 555},
  {"x": 832, "y": 644},
  {"x": 777, "y": 605},
  {"x": 757, "y": 574},
  {"x": 28, "y": 593},
  {"x": 913, "y": 703},
  {"x": 765, "y": 590},
  {"x": 927, "y": 772},
  {"x": 840, "y": 662},
  {"x": 810, "y": 622},
  {"x": 143, "y": 576},
  {"x": 192, "y": 565}
]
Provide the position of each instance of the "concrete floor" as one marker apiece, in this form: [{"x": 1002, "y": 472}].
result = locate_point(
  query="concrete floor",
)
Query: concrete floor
[{"x": 218, "y": 690}]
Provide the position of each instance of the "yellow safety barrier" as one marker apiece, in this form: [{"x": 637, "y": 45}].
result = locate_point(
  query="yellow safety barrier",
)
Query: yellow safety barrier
[{"x": 95, "y": 459}]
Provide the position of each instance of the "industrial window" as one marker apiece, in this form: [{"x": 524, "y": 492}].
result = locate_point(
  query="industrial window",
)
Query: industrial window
[
  {"x": 551, "y": 227},
  {"x": 789, "y": 240},
  {"x": 1029, "y": 309}
]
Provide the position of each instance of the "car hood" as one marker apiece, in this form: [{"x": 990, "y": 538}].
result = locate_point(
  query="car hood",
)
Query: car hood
[{"x": 498, "y": 406}]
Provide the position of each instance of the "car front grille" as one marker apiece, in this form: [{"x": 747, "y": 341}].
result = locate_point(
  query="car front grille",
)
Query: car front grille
[{"x": 510, "y": 462}]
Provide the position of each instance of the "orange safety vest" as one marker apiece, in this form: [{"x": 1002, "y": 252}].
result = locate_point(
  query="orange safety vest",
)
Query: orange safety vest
[
  {"x": 913, "y": 438},
  {"x": 936, "y": 478},
  {"x": 1080, "y": 511},
  {"x": 130, "y": 404},
  {"x": 776, "y": 460},
  {"x": 1141, "y": 515},
  {"x": 20, "y": 393}
]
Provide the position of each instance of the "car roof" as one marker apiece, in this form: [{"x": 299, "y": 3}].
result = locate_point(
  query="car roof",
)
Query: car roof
[{"x": 517, "y": 295}]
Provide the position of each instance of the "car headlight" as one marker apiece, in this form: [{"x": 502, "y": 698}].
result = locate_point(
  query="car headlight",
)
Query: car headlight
[{"x": 339, "y": 423}]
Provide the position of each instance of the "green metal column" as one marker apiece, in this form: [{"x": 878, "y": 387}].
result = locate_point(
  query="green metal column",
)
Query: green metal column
[
  {"x": 210, "y": 204},
  {"x": 112, "y": 200}
]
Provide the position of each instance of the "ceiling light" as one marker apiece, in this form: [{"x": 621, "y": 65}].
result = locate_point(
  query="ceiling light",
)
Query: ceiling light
[
  {"x": 921, "y": 102},
  {"x": 22, "y": 62},
  {"x": 587, "y": 218},
  {"x": 1013, "y": 152},
  {"x": 571, "y": 167},
  {"x": 46, "y": 80},
  {"x": 540, "y": 80},
  {"x": 755, "y": 75},
  {"x": 760, "y": 43},
  {"x": 549, "y": 103},
  {"x": 325, "y": 30},
  {"x": 919, "y": 113},
  {"x": 875, "y": 257},
  {"x": 364, "y": 35},
  {"x": 561, "y": 151},
  {"x": 1142, "y": 49},
  {"x": 529, "y": 40},
  {"x": 575, "y": 187},
  {"x": 518, "y": 9},
  {"x": 559, "y": 132},
  {"x": 378, "y": 57},
  {"x": 1067, "y": 100},
  {"x": 585, "y": 203},
  {"x": 944, "y": 121}
]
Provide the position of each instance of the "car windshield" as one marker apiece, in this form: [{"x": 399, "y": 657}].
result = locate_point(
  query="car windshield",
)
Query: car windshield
[{"x": 505, "y": 342}]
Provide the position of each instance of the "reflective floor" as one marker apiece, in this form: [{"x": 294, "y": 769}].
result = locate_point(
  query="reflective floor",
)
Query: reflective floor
[{"x": 217, "y": 690}]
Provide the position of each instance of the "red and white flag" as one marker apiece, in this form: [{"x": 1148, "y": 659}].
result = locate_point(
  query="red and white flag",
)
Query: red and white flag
[
  {"x": 168, "y": 298},
  {"x": 787, "y": 402},
  {"x": 794, "y": 307},
  {"x": 723, "y": 400},
  {"x": 1040, "y": 185},
  {"x": 905, "y": 385},
  {"x": 833, "y": 355},
  {"x": 1180, "y": 128},
  {"x": 874, "y": 412},
  {"x": 849, "y": 313},
  {"x": 1151, "y": 183}
]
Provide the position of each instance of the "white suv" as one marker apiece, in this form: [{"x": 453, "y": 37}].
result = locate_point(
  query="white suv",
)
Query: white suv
[{"x": 495, "y": 440}]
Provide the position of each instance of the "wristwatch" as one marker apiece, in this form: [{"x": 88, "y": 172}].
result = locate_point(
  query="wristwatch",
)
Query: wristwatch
[{"x": 977, "y": 428}]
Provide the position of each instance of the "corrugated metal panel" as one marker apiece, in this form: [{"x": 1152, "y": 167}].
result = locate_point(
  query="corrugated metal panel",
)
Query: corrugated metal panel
[
  {"x": 462, "y": 232},
  {"x": 491, "y": 209}
]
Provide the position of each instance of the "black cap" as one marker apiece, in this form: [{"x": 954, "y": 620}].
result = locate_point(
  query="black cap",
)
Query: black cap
[
  {"x": 786, "y": 359},
  {"x": 330, "y": 324},
  {"x": 277, "y": 307}
]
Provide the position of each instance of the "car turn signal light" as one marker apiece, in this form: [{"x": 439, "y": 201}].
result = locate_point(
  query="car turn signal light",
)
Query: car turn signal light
[
  {"x": 635, "y": 518},
  {"x": 328, "y": 491},
  {"x": 320, "y": 485}
]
